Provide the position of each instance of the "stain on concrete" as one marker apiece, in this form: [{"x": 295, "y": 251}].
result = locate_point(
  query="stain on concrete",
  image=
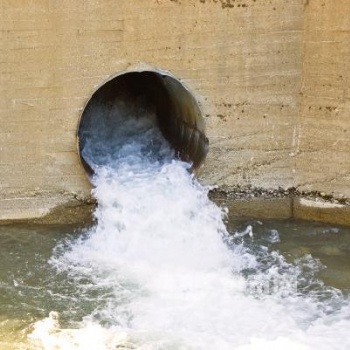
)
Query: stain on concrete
[
  {"x": 222, "y": 117},
  {"x": 227, "y": 4}
]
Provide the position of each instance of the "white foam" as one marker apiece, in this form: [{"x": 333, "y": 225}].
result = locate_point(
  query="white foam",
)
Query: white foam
[{"x": 159, "y": 249}]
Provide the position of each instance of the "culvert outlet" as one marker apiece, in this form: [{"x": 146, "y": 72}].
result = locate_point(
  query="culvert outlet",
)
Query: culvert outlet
[{"x": 178, "y": 115}]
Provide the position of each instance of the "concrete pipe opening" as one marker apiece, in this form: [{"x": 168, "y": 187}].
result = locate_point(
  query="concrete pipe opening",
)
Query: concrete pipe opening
[{"x": 177, "y": 113}]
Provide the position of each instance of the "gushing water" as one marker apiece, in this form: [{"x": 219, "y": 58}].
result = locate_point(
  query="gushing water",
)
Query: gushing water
[{"x": 164, "y": 273}]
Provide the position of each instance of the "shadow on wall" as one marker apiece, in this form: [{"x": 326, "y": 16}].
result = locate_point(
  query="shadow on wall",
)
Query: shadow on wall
[{"x": 178, "y": 115}]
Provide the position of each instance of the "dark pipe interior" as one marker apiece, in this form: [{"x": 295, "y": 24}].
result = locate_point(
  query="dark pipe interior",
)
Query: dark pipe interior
[{"x": 178, "y": 115}]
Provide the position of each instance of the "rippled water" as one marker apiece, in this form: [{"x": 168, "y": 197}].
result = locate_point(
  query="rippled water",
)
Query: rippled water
[
  {"x": 30, "y": 288},
  {"x": 161, "y": 271}
]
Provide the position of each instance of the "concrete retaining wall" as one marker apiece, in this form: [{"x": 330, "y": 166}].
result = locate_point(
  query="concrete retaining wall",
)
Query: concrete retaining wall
[{"x": 272, "y": 79}]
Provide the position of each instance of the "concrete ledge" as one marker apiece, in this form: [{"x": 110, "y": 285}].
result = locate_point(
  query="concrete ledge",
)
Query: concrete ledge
[
  {"x": 260, "y": 208},
  {"x": 283, "y": 204},
  {"x": 46, "y": 208},
  {"x": 332, "y": 213},
  {"x": 68, "y": 208}
]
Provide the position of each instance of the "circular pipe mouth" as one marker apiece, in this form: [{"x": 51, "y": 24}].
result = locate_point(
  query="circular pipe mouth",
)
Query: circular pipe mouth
[{"x": 177, "y": 113}]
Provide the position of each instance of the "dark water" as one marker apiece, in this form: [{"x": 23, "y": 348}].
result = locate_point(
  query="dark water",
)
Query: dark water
[
  {"x": 327, "y": 244},
  {"x": 30, "y": 288}
]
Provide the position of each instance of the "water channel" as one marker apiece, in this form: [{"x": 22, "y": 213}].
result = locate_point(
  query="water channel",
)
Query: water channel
[{"x": 165, "y": 268}]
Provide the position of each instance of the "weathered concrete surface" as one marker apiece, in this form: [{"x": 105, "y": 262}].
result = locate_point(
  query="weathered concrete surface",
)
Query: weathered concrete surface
[
  {"x": 323, "y": 161},
  {"x": 272, "y": 78}
]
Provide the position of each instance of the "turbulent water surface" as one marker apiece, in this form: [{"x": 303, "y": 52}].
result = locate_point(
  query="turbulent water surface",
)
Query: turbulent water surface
[{"x": 159, "y": 270}]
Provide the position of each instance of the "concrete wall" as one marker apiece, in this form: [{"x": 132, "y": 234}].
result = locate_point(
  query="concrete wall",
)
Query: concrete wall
[
  {"x": 272, "y": 78},
  {"x": 323, "y": 161}
]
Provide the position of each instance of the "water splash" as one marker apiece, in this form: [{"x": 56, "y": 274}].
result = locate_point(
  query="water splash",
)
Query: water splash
[{"x": 164, "y": 272}]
